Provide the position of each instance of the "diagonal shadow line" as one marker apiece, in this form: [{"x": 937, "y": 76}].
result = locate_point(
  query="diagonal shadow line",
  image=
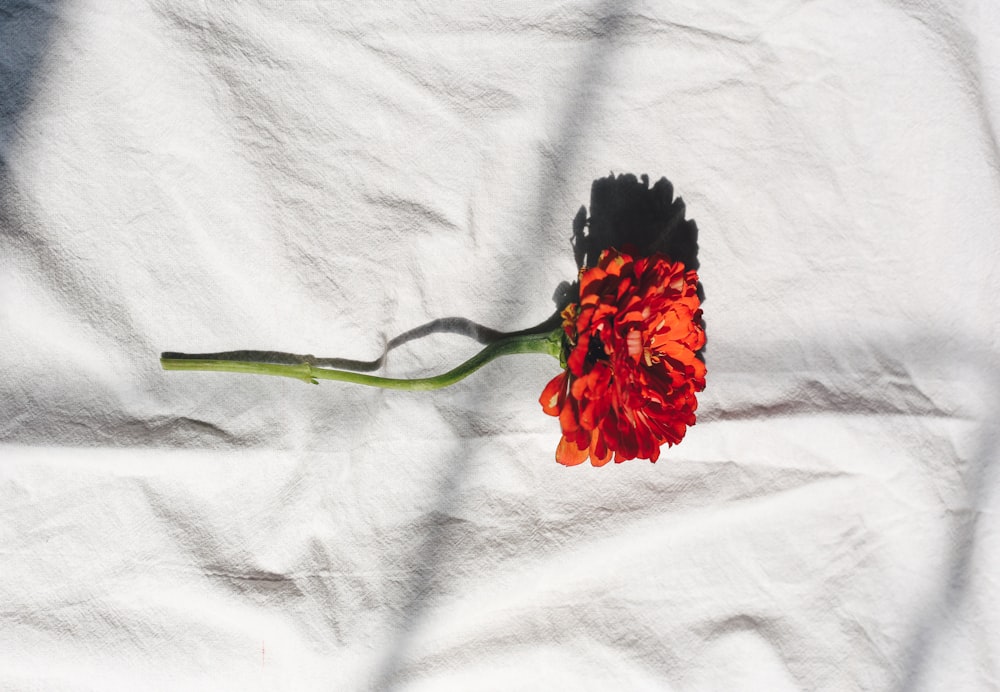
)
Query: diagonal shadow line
[
  {"x": 25, "y": 34},
  {"x": 429, "y": 553},
  {"x": 981, "y": 478},
  {"x": 26, "y": 30}
]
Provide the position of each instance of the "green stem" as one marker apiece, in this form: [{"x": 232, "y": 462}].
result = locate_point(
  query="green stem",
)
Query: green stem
[{"x": 547, "y": 342}]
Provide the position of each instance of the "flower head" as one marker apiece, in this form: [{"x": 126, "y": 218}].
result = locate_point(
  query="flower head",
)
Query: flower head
[{"x": 632, "y": 369}]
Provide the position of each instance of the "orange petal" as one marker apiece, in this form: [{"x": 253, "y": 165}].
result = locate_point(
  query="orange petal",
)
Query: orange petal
[
  {"x": 552, "y": 394},
  {"x": 698, "y": 368},
  {"x": 568, "y": 417},
  {"x": 596, "y": 446},
  {"x": 568, "y": 454}
]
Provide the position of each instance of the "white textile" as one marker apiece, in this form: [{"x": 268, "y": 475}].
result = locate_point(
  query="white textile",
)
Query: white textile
[{"x": 319, "y": 177}]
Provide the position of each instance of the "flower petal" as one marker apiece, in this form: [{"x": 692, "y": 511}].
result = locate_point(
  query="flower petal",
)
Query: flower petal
[
  {"x": 632, "y": 369},
  {"x": 554, "y": 394},
  {"x": 568, "y": 454}
]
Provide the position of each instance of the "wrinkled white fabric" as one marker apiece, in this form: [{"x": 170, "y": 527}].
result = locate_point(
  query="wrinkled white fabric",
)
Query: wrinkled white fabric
[{"x": 318, "y": 177}]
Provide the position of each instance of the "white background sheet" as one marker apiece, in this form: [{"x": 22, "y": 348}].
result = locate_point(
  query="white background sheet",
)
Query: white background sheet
[{"x": 317, "y": 177}]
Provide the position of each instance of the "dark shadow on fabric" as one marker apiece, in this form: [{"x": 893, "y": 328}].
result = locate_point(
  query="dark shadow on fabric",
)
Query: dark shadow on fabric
[
  {"x": 627, "y": 214},
  {"x": 25, "y": 35}
]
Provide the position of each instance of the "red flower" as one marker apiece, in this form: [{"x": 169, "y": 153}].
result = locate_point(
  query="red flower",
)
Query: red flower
[{"x": 632, "y": 373}]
